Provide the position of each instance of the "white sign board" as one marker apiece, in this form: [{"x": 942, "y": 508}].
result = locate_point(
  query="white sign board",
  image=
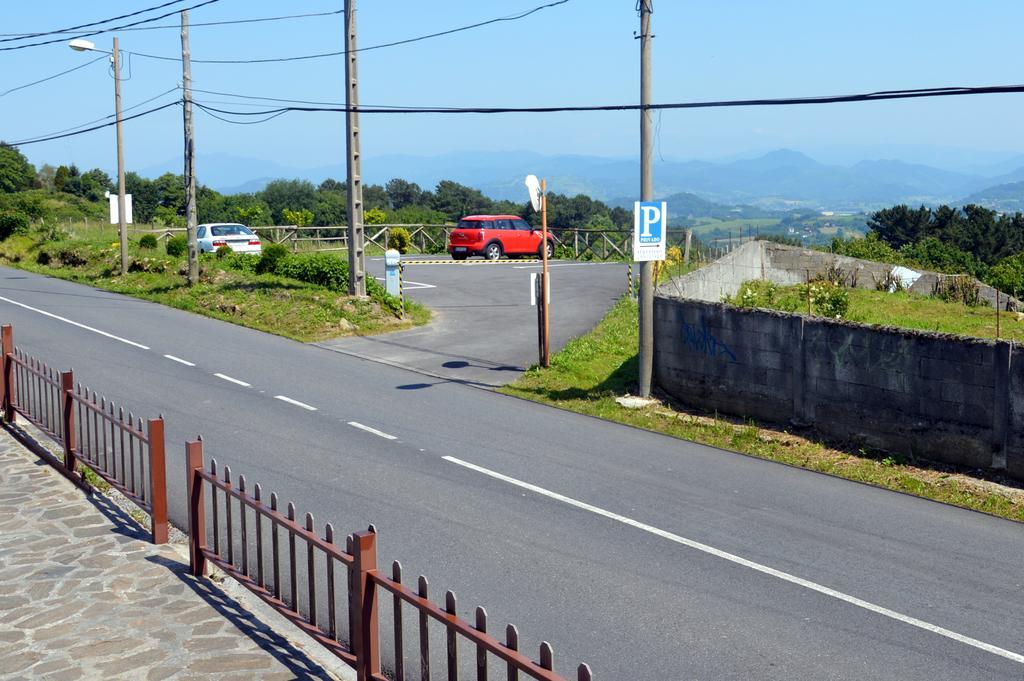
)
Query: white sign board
[
  {"x": 127, "y": 209},
  {"x": 650, "y": 230}
]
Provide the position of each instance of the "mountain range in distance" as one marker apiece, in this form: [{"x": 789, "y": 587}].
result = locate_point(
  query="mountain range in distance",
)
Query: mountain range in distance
[{"x": 779, "y": 180}]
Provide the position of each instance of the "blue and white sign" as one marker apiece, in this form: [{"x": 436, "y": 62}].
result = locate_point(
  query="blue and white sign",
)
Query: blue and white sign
[{"x": 650, "y": 230}]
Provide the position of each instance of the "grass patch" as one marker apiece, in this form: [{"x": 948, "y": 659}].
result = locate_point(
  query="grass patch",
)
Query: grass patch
[
  {"x": 906, "y": 310},
  {"x": 594, "y": 369},
  {"x": 267, "y": 302}
]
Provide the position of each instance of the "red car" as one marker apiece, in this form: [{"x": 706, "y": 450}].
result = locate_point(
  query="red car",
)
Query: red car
[{"x": 495, "y": 235}]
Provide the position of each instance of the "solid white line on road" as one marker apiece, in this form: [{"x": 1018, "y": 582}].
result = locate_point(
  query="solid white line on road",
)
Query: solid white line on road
[
  {"x": 179, "y": 360},
  {"x": 368, "y": 429},
  {"x": 234, "y": 380},
  {"x": 73, "y": 323},
  {"x": 411, "y": 285},
  {"x": 295, "y": 402},
  {"x": 733, "y": 558}
]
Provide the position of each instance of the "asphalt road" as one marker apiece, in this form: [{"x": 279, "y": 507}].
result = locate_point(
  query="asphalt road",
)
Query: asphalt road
[
  {"x": 645, "y": 556},
  {"x": 484, "y": 330}
]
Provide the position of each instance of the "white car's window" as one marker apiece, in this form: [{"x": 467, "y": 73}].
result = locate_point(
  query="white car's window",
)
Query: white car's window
[
  {"x": 202, "y": 233},
  {"x": 230, "y": 230}
]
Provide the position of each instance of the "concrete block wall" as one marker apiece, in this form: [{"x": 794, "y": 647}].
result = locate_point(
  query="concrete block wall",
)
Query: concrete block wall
[{"x": 941, "y": 397}]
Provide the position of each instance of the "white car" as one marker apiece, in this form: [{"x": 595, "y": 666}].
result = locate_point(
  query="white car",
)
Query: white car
[{"x": 238, "y": 238}]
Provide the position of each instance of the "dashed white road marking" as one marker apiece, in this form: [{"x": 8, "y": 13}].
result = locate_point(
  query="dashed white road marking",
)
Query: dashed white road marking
[
  {"x": 738, "y": 560},
  {"x": 74, "y": 323},
  {"x": 295, "y": 402},
  {"x": 368, "y": 429},
  {"x": 179, "y": 360},
  {"x": 234, "y": 380}
]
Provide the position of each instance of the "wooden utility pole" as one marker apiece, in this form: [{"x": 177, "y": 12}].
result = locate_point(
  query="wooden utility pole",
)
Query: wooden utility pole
[
  {"x": 190, "y": 155},
  {"x": 356, "y": 260},
  {"x": 122, "y": 231},
  {"x": 646, "y": 308}
]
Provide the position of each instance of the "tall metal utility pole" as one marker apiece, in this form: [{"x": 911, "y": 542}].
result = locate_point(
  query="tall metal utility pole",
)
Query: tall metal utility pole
[
  {"x": 190, "y": 155},
  {"x": 356, "y": 261},
  {"x": 122, "y": 230},
  {"x": 646, "y": 355}
]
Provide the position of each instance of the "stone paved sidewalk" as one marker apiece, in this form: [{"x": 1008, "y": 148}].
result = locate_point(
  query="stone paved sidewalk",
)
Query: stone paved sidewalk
[{"x": 84, "y": 595}]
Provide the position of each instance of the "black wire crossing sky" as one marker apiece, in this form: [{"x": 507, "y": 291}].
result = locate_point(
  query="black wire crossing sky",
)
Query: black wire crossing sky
[{"x": 881, "y": 95}]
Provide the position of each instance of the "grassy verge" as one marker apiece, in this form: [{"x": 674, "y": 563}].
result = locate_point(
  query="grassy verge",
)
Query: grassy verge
[
  {"x": 591, "y": 371},
  {"x": 907, "y": 311},
  {"x": 267, "y": 302}
]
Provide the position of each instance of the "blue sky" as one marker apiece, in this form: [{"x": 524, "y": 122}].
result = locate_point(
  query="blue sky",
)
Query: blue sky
[{"x": 582, "y": 52}]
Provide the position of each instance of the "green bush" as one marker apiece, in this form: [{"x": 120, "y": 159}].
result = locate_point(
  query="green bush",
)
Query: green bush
[
  {"x": 828, "y": 299},
  {"x": 756, "y": 293},
  {"x": 322, "y": 269},
  {"x": 177, "y": 246},
  {"x": 12, "y": 222},
  {"x": 223, "y": 252},
  {"x": 960, "y": 289},
  {"x": 399, "y": 239},
  {"x": 147, "y": 241},
  {"x": 243, "y": 262},
  {"x": 270, "y": 257}
]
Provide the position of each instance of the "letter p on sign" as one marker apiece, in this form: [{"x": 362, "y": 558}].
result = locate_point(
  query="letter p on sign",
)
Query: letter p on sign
[{"x": 650, "y": 227}]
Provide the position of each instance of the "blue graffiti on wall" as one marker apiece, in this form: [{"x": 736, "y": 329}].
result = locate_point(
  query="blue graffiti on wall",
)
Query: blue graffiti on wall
[{"x": 700, "y": 340}]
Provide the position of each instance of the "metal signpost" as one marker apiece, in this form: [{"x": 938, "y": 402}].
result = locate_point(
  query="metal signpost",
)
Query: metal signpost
[{"x": 650, "y": 232}]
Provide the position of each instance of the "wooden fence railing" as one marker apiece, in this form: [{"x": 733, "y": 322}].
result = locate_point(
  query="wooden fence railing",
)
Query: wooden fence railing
[
  {"x": 291, "y": 568},
  {"x": 92, "y": 431}
]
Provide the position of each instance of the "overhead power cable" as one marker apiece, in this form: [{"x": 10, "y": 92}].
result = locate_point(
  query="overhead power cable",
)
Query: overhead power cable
[
  {"x": 51, "y": 137},
  {"x": 321, "y": 55},
  {"x": 56, "y": 75},
  {"x": 113, "y": 28},
  {"x": 783, "y": 101},
  {"x": 113, "y": 115},
  {"x": 194, "y": 25},
  {"x": 788, "y": 101},
  {"x": 72, "y": 29}
]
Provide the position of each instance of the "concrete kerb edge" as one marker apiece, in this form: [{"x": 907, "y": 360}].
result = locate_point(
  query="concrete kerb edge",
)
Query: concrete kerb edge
[{"x": 178, "y": 543}]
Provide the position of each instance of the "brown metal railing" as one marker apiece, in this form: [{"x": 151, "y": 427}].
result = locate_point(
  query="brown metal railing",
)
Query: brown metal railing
[
  {"x": 90, "y": 430},
  {"x": 286, "y": 577}
]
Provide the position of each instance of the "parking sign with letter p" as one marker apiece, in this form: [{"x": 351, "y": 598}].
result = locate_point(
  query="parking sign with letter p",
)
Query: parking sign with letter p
[{"x": 650, "y": 228}]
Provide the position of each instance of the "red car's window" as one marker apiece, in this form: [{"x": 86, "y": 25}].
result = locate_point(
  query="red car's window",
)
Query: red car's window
[
  {"x": 503, "y": 224},
  {"x": 522, "y": 224}
]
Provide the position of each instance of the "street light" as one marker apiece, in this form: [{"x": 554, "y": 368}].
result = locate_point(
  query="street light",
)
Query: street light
[{"x": 82, "y": 45}]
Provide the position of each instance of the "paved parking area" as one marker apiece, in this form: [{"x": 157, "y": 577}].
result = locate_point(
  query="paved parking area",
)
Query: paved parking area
[{"x": 484, "y": 330}]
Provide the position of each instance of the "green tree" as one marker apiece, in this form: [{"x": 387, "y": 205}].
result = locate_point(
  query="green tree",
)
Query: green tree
[
  {"x": 332, "y": 185},
  {"x": 901, "y": 224},
  {"x": 933, "y": 254},
  {"x": 299, "y": 218},
  {"x": 375, "y": 216},
  {"x": 870, "y": 247},
  {"x": 60, "y": 178},
  {"x": 45, "y": 176},
  {"x": 251, "y": 214},
  {"x": 375, "y": 196},
  {"x": 402, "y": 193},
  {"x": 455, "y": 200},
  {"x": 1007, "y": 275},
  {"x": 16, "y": 173},
  {"x": 331, "y": 208},
  {"x": 293, "y": 194}
]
